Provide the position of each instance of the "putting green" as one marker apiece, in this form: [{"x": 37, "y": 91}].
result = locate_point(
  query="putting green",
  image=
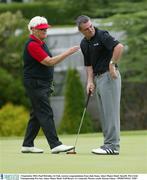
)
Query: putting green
[{"x": 132, "y": 158}]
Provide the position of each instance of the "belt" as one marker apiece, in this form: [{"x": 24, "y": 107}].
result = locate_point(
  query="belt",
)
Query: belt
[{"x": 100, "y": 73}]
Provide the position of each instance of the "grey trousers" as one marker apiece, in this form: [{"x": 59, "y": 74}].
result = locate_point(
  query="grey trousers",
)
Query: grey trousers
[{"x": 108, "y": 92}]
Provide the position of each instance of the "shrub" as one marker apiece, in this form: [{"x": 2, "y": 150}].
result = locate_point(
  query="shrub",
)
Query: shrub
[
  {"x": 134, "y": 106},
  {"x": 11, "y": 89},
  {"x": 54, "y": 12},
  {"x": 13, "y": 120},
  {"x": 74, "y": 105},
  {"x": 64, "y": 11},
  {"x": 11, "y": 45}
]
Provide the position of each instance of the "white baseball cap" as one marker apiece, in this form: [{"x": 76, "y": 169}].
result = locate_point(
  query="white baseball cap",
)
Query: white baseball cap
[{"x": 38, "y": 22}]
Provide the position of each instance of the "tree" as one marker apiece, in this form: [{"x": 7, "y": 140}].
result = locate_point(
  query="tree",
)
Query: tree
[
  {"x": 133, "y": 64},
  {"x": 74, "y": 105},
  {"x": 12, "y": 38}
]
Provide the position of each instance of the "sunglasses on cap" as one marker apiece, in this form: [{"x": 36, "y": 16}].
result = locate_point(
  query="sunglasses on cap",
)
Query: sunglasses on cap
[{"x": 42, "y": 29}]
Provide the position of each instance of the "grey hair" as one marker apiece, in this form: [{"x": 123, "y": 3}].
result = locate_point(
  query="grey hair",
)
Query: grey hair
[{"x": 82, "y": 19}]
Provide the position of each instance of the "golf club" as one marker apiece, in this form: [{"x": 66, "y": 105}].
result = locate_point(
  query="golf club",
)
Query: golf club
[{"x": 81, "y": 122}]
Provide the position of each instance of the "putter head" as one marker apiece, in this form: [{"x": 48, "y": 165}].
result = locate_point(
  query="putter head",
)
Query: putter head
[{"x": 71, "y": 152}]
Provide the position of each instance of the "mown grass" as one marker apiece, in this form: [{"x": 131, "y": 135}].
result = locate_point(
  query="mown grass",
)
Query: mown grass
[{"x": 132, "y": 158}]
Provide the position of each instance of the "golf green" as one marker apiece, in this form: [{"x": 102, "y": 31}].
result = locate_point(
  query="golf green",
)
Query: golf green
[{"x": 132, "y": 158}]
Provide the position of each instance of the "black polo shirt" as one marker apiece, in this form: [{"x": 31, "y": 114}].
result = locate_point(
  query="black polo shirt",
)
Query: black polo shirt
[{"x": 98, "y": 50}]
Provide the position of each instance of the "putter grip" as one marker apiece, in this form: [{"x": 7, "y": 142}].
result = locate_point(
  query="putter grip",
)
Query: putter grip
[{"x": 88, "y": 97}]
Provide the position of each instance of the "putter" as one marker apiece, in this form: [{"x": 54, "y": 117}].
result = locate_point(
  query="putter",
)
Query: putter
[{"x": 81, "y": 122}]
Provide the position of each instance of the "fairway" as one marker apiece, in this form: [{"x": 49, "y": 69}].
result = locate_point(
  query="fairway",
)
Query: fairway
[{"x": 132, "y": 158}]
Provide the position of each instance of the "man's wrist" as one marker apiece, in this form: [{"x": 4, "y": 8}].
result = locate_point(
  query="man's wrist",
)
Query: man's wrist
[{"x": 113, "y": 62}]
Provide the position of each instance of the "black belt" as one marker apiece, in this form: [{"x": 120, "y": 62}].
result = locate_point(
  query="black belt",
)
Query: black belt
[{"x": 100, "y": 73}]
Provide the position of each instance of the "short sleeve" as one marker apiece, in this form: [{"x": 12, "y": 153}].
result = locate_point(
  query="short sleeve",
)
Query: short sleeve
[
  {"x": 85, "y": 49},
  {"x": 36, "y": 51},
  {"x": 108, "y": 41}
]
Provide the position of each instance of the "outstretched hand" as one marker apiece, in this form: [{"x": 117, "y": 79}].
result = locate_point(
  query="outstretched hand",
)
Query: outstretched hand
[{"x": 73, "y": 49}]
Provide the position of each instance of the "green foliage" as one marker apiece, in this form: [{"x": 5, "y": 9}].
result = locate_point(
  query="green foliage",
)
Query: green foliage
[
  {"x": 133, "y": 64},
  {"x": 53, "y": 11},
  {"x": 12, "y": 37},
  {"x": 59, "y": 12},
  {"x": 13, "y": 120},
  {"x": 134, "y": 106},
  {"x": 74, "y": 106},
  {"x": 11, "y": 89},
  {"x": 5, "y": 80},
  {"x": 129, "y": 16}
]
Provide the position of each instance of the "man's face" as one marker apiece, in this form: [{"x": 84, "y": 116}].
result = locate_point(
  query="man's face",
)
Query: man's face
[
  {"x": 87, "y": 29},
  {"x": 40, "y": 33}
]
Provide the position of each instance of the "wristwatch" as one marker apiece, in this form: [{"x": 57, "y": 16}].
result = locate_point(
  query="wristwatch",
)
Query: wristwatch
[{"x": 112, "y": 62}]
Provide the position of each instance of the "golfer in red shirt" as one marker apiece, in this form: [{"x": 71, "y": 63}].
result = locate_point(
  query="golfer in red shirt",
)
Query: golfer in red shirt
[{"x": 38, "y": 77}]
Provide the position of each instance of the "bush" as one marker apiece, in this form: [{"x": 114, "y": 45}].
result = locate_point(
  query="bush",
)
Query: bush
[
  {"x": 64, "y": 12},
  {"x": 51, "y": 11},
  {"x": 13, "y": 34},
  {"x": 11, "y": 89},
  {"x": 74, "y": 105},
  {"x": 134, "y": 106},
  {"x": 133, "y": 65},
  {"x": 13, "y": 120},
  {"x": 11, "y": 45}
]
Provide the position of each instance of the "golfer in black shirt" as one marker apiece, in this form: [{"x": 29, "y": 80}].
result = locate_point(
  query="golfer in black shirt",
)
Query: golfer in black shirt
[{"x": 101, "y": 54}]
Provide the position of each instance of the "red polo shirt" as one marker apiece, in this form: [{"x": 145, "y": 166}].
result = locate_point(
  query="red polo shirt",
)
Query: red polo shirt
[{"x": 35, "y": 49}]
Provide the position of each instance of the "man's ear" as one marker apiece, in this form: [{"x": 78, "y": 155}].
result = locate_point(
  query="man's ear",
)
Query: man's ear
[{"x": 33, "y": 29}]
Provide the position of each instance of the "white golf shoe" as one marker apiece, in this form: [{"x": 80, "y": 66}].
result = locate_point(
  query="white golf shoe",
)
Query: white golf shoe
[
  {"x": 61, "y": 148},
  {"x": 106, "y": 151},
  {"x": 25, "y": 149}
]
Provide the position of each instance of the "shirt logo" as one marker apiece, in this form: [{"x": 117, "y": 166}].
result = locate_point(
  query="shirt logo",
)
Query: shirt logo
[{"x": 96, "y": 44}]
